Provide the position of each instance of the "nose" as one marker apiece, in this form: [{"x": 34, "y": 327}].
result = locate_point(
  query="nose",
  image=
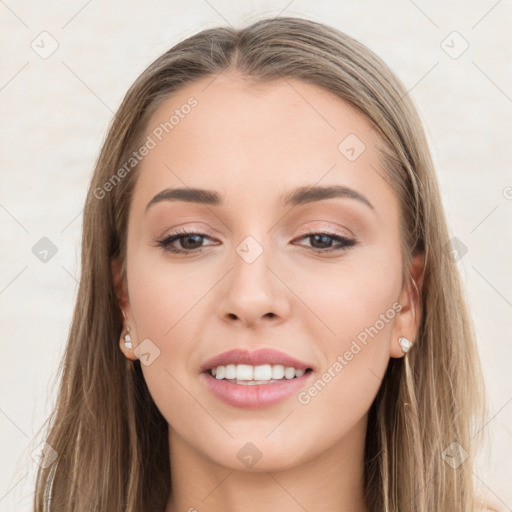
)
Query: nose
[{"x": 253, "y": 293}]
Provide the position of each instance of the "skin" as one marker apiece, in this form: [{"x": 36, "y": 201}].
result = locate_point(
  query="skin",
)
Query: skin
[{"x": 251, "y": 145}]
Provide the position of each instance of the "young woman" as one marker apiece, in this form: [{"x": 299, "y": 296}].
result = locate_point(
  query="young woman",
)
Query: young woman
[{"x": 269, "y": 314}]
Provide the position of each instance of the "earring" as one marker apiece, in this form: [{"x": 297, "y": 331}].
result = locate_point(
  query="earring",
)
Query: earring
[
  {"x": 405, "y": 344},
  {"x": 127, "y": 338}
]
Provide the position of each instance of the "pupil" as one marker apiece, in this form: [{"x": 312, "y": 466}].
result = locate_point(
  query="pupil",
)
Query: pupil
[
  {"x": 188, "y": 238},
  {"x": 326, "y": 239}
]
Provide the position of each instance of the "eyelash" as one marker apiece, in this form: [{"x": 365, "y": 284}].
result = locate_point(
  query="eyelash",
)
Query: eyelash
[{"x": 165, "y": 243}]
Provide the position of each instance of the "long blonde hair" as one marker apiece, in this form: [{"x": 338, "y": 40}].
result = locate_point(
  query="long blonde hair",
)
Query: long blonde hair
[{"x": 110, "y": 438}]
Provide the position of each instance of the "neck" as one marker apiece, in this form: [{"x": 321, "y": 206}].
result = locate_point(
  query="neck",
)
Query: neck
[{"x": 330, "y": 481}]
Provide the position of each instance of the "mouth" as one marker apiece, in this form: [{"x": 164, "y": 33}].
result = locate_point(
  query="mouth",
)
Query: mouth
[
  {"x": 249, "y": 375},
  {"x": 255, "y": 387}
]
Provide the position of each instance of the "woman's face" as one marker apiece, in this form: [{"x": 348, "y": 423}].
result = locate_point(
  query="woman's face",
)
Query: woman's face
[{"x": 315, "y": 277}]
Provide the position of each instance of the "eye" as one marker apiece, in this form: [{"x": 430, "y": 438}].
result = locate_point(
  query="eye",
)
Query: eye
[
  {"x": 322, "y": 242},
  {"x": 189, "y": 240}
]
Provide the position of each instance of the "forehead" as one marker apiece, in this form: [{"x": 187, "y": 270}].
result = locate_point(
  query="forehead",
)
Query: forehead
[{"x": 249, "y": 139}]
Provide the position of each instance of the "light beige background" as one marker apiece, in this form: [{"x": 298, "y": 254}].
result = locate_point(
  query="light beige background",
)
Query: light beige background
[{"x": 55, "y": 112}]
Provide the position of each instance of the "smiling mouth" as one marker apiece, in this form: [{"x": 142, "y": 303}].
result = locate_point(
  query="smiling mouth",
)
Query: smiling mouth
[{"x": 248, "y": 375}]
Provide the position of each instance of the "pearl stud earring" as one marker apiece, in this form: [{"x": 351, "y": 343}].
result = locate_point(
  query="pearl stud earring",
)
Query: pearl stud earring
[
  {"x": 127, "y": 338},
  {"x": 405, "y": 344}
]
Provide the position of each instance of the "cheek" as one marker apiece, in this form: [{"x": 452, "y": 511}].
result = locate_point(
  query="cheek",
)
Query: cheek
[
  {"x": 350, "y": 297},
  {"x": 163, "y": 296},
  {"x": 355, "y": 305}
]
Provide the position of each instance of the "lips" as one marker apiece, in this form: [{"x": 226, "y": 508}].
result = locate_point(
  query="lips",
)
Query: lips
[
  {"x": 255, "y": 358},
  {"x": 256, "y": 394}
]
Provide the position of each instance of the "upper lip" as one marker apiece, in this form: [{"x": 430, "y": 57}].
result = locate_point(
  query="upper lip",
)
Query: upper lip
[{"x": 254, "y": 358}]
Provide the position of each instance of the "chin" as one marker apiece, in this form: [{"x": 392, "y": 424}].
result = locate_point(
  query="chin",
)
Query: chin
[{"x": 259, "y": 455}]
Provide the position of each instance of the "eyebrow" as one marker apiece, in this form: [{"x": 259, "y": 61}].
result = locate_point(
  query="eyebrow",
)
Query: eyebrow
[{"x": 298, "y": 196}]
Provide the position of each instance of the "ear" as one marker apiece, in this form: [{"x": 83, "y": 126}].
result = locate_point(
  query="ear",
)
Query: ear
[
  {"x": 408, "y": 320},
  {"x": 124, "y": 304},
  {"x": 119, "y": 286}
]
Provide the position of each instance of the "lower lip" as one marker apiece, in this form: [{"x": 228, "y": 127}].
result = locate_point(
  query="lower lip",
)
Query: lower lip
[{"x": 254, "y": 396}]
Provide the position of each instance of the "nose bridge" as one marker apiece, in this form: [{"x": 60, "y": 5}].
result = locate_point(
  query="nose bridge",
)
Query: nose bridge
[
  {"x": 252, "y": 291},
  {"x": 251, "y": 261}
]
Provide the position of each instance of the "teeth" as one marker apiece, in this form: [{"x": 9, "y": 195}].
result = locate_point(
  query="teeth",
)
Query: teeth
[
  {"x": 277, "y": 371},
  {"x": 289, "y": 373},
  {"x": 244, "y": 372},
  {"x": 231, "y": 371},
  {"x": 263, "y": 372},
  {"x": 255, "y": 374}
]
